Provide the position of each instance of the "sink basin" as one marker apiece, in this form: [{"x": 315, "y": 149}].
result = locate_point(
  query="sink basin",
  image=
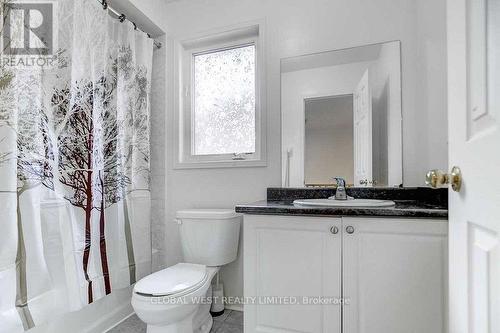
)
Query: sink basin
[{"x": 364, "y": 203}]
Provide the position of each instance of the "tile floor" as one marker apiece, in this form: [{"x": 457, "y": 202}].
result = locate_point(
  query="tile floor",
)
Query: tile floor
[{"x": 230, "y": 322}]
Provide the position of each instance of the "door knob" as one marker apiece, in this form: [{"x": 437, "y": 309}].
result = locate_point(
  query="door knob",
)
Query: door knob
[
  {"x": 350, "y": 229},
  {"x": 438, "y": 179},
  {"x": 334, "y": 230}
]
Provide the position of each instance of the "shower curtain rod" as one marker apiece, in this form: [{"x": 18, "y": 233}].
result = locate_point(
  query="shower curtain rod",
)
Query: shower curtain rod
[{"x": 122, "y": 18}]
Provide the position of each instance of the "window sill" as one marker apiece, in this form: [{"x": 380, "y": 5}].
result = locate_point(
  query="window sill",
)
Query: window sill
[{"x": 220, "y": 164}]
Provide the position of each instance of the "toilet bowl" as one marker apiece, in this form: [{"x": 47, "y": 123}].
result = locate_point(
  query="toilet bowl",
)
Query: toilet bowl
[
  {"x": 177, "y": 299},
  {"x": 169, "y": 301}
]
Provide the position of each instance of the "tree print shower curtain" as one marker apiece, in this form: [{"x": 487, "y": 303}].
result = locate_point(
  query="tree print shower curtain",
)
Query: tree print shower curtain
[{"x": 74, "y": 169}]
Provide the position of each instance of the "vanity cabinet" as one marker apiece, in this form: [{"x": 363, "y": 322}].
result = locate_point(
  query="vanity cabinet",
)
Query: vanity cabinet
[
  {"x": 291, "y": 257},
  {"x": 394, "y": 275},
  {"x": 390, "y": 272}
]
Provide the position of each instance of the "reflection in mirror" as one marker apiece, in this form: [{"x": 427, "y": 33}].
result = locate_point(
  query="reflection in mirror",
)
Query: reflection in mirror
[
  {"x": 328, "y": 148},
  {"x": 341, "y": 117}
]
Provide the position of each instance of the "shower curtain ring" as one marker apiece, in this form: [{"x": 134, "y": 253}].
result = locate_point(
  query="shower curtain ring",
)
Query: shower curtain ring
[
  {"x": 135, "y": 25},
  {"x": 122, "y": 18},
  {"x": 104, "y": 4}
]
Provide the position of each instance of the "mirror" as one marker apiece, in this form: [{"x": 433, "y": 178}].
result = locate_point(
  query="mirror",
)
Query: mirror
[{"x": 341, "y": 117}]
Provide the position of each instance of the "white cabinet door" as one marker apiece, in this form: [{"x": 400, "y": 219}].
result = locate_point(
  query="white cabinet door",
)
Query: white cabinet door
[
  {"x": 394, "y": 275},
  {"x": 289, "y": 258}
]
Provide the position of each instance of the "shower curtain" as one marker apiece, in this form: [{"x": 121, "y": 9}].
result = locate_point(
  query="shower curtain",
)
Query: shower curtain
[{"x": 74, "y": 169}]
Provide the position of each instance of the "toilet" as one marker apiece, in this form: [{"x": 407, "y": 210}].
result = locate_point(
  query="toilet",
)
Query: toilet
[{"x": 177, "y": 299}]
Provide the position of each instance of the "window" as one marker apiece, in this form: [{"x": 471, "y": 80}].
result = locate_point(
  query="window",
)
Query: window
[
  {"x": 224, "y": 101},
  {"x": 220, "y": 114}
]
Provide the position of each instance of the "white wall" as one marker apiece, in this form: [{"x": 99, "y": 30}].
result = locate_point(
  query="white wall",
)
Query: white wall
[
  {"x": 158, "y": 156},
  {"x": 296, "y": 27},
  {"x": 295, "y": 87},
  {"x": 425, "y": 126},
  {"x": 385, "y": 84}
]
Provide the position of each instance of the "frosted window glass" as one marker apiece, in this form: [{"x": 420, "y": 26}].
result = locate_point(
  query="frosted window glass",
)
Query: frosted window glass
[{"x": 224, "y": 102}]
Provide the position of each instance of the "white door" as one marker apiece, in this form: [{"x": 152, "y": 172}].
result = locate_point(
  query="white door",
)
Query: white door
[
  {"x": 394, "y": 275},
  {"x": 362, "y": 107},
  {"x": 286, "y": 259},
  {"x": 474, "y": 146}
]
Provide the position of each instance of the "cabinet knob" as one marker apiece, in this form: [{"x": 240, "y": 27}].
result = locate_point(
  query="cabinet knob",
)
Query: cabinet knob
[
  {"x": 349, "y": 229},
  {"x": 334, "y": 230}
]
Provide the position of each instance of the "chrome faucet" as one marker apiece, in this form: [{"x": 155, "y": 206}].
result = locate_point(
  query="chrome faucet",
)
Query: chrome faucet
[{"x": 340, "y": 194}]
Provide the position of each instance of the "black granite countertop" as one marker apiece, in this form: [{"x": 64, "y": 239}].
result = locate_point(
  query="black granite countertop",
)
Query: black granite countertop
[
  {"x": 411, "y": 203},
  {"x": 405, "y": 208}
]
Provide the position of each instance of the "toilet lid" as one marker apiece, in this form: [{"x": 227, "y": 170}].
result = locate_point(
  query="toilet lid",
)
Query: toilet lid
[{"x": 172, "y": 280}]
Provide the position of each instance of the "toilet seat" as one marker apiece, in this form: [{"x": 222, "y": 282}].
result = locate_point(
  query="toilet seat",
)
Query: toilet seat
[{"x": 173, "y": 281}]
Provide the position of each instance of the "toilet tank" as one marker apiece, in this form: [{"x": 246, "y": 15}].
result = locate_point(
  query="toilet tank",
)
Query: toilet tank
[{"x": 209, "y": 236}]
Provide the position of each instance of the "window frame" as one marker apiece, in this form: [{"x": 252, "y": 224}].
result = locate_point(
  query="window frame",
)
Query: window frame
[{"x": 185, "y": 137}]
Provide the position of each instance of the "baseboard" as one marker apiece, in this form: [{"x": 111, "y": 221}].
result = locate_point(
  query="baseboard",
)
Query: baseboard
[{"x": 235, "y": 307}]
